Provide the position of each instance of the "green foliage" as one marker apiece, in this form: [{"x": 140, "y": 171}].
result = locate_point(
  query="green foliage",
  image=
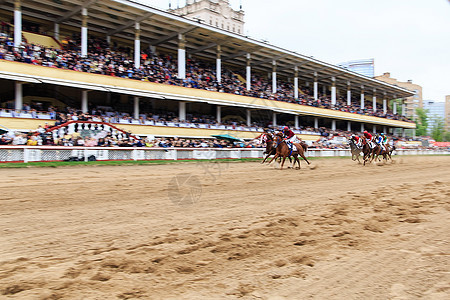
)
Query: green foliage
[
  {"x": 447, "y": 136},
  {"x": 437, "y": 132},
  {"x": 421, "y": 122}
]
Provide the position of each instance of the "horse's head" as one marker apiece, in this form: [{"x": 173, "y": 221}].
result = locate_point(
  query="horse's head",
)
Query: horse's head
[
  {"x": 278, "y": 139},
  {"x": 268, "y": 136}
]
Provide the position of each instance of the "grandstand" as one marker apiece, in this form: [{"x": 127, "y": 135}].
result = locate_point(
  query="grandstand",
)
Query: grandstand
[{"x": 204, "y": 70}]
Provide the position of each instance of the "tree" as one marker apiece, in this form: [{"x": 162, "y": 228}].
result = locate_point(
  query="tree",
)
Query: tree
[
  {"x": 437, "y": 132},
  {"x": 421, "y": 121},
  {"x": 447, "y": 136}
]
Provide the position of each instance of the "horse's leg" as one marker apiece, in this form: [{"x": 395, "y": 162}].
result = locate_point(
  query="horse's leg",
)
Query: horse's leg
[
  {"x": 302, "y": 154},
  {"x": 274, "y": 157},
  {"x": 282, "y": 164},
  {"x": 298, "y": 161},
  {"x": 264, "y": 160}
]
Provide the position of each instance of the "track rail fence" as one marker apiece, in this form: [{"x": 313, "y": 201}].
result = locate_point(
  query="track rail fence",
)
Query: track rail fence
[{"x": 52, "y": 153}]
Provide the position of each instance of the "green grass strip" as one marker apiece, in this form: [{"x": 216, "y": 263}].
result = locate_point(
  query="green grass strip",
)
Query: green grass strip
[{"x": 56, "y": 164}]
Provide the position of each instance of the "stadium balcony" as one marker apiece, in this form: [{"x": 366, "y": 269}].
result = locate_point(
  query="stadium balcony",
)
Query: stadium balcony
[
  {"x": 86, "y": 81},
  {"x": 127, "y": 22}
]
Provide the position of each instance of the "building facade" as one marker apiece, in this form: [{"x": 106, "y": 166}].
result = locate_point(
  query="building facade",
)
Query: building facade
[
  {"x": 363, "y": 66},
  {"x": 436, "y": 111},
  {"x": 217, "y": 13},
  {"x": 411, "y": 103},
  {"x": 447, "y": 113}
]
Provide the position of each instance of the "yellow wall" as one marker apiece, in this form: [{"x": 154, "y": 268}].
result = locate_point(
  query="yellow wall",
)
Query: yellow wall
[
  {"x": 32, "y": 124},
  {"x": 40, "y": 39},
  {"x": 105, "y": 80}
]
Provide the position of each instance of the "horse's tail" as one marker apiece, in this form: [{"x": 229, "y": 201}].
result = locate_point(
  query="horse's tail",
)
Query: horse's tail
[{"x": 304, "y": 146}]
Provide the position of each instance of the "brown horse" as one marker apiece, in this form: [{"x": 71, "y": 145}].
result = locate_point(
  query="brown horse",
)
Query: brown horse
[
  {"x": 366, "y": 153},
  {"x": 283, "y": 151},
  {"x": 387, "y": 153},
  {"x": 270, "y": 149}
]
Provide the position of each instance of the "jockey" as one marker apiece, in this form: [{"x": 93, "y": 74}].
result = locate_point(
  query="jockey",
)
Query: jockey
[
  {"x": 369, "y": 139},
  {"x": 357, "y": 141},
  {"x": 290, "y": 137},
  {"x": 379, "y": 141},
  {"x": 382, "y": 140}
]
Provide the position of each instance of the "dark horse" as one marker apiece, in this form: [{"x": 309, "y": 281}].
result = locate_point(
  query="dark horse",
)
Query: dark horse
[
  {"x": 283, "y": 151},
  {"x": 270, "y": 149},
  {"x": 387, "y": 153},
  {"x": 366, "y": 152}
]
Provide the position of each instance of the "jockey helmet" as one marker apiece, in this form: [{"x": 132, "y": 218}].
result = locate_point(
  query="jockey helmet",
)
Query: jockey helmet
[{"x": 286, "y": 128}]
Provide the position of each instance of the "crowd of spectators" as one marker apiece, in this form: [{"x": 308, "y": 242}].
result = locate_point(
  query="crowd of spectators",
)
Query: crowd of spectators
[{"x": 114, "y": 60}]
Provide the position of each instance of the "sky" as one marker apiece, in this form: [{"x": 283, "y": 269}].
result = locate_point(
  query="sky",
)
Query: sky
[{"x": 408, "y": 38}]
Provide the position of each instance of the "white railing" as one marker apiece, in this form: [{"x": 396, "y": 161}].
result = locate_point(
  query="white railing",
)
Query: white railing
[{"x": 52, "y": 153}]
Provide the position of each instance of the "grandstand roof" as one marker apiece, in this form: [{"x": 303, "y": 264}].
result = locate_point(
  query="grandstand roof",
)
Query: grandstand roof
[{"x": 161, "y": 28}]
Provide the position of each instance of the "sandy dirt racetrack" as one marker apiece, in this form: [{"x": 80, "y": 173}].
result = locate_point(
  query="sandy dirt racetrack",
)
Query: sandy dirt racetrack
[{"x": 337, "y": 231}]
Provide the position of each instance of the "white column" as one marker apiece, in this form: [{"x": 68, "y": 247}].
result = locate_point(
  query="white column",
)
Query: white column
[
  {"x": 362, "y": 97},
  {"x": 181, "y": 57},
  {"x": 296, "y": 83},
  {"x": 296, "y": 122},
  {"x": 333, "y": 91},
  {"x": 249, "y": 117},
  {"x": 395, "y": 107},
  {"x": 219, "y": 114},
  {"x": 316, "y": 87},
  {"x": 18, "y": 104},
  {"x": 219, "y": 64},
  {"x": 274, "y": 118},
  {"x": 84, "y": 32},
  {"x": 136, "y": 108},
  {"x": 374, "y": 101},
  {"x": 333, "y": 124},
  {"x": 385, "y": 106},
  {"x": 137, "y": 45},
  {"x": 316, "y": 122},
  {"x": 56, "y": 31},
  {"x": 108, "y": 39},
  {"x": 403, "y": 132},
  {"x": 182, "y": 111},
  {"x": 249, "y": 72},
  {"x": 385, "y": 129},
  {"x": 274, "y": 77},
  {"x": 403, "y": 109},
  {"x": 349, "y": 126},
  {"x": 362, "y": 127},
  {"x": 374, "y": 129},
  {"x": 17, "y": 23},
  {"x": 349, "y": 94},
  {"x": 84, "y": 101}
]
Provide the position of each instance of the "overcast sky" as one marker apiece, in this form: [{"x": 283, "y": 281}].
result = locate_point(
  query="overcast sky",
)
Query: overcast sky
[{"x": 408, "y": 38}]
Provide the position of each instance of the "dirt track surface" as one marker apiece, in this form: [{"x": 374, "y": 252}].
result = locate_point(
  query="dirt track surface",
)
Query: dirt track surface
[{"x": 334, "y": 231}]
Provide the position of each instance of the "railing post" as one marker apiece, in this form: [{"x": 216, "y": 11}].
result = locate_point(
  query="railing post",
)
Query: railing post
[
  {"x": 175, "y": 154},
  {"x": 26, "y": 154},
  {"x": 85, "y": 155}
]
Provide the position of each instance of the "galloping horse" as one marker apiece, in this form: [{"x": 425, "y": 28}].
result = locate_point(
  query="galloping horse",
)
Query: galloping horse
[
  {"x": 366, "y": 152},
  {"x": 270, "y": 149},
  {"x": 387, "y": 154},
  {"x": 355, "y": 150},
  {"x": 283, "y": 150}
]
